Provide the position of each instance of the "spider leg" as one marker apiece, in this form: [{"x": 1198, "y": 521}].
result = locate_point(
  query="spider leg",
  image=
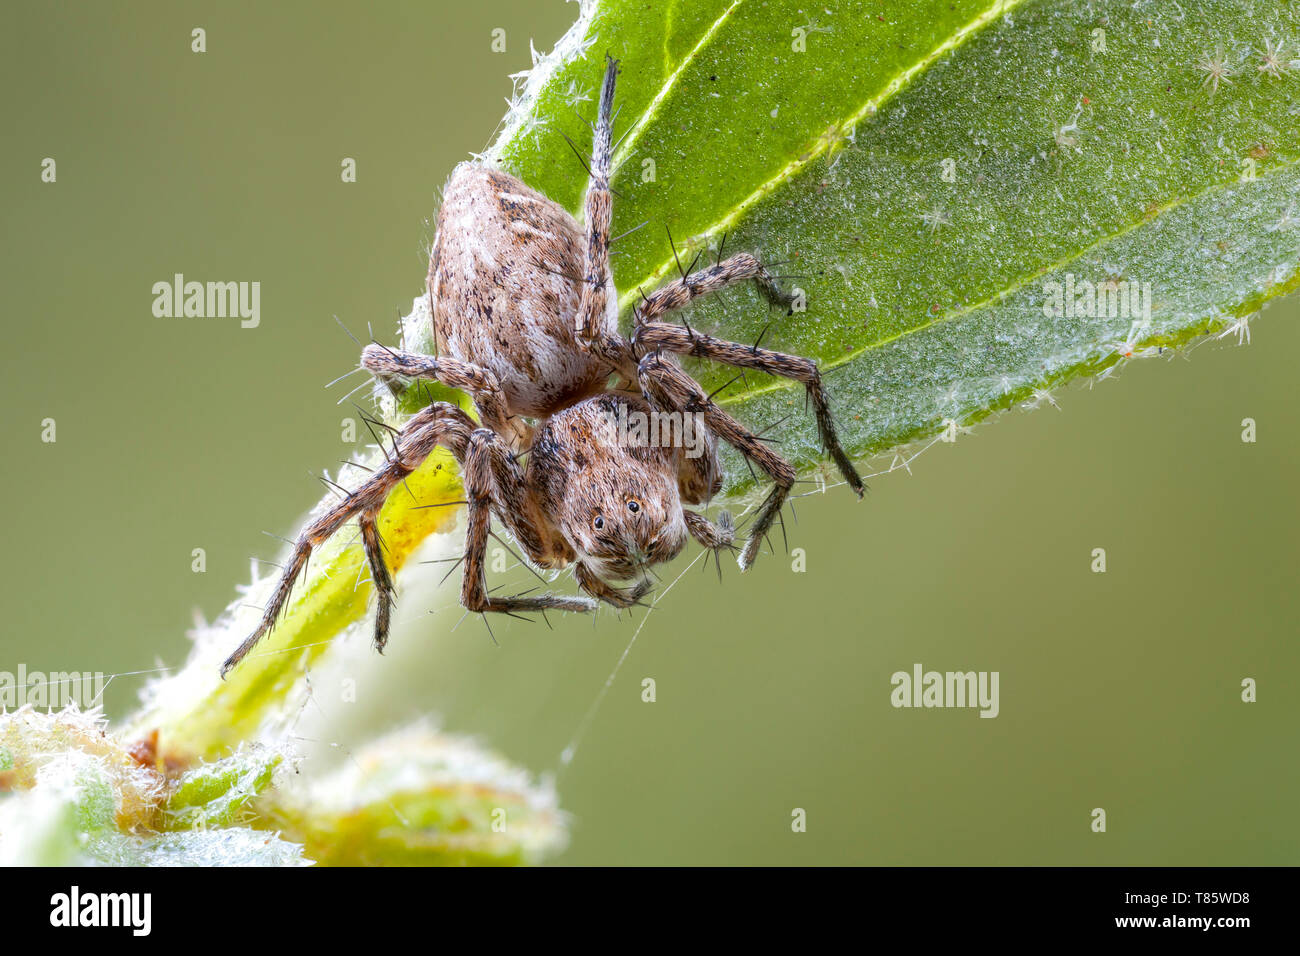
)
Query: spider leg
[
  {"x": 388, "y": 365},
  {"x": 440, "y": 424},
  {"x": 486, "y": 460},
  {"x": 699, "y": 478},
  {"x": 713, "y": 536},
  {"x": 380, "y": 575},
  {"x": 619, "y": 597},
  {"x": 653, "y": 336},
  {"x": 594, "y": 304},
  {"x": 668, "y": 388},
  {"x": 730, "y": 271}
]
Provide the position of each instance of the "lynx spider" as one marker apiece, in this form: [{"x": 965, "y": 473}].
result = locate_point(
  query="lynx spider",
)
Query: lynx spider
[{"x": 525, "y": 316}]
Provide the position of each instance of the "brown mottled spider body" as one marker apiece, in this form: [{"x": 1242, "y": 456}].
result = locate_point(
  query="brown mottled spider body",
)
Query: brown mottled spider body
[
  {"x": 501, "y": 293},
  {"x": 525, "y": 318}
]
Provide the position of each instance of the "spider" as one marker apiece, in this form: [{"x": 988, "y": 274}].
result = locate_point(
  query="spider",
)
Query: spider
[{"x": 525, "y": 315}]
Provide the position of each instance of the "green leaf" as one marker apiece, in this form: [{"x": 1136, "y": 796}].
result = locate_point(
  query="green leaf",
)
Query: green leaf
[
  {"x": 227, "y": 846},
  {"x": 1086, "y": 140},
  {"x": 418, "y": 798},
  {"x": 216, "y": 794},
  {"x": 201, "y": 716},
  {"x": 76, "y": 796}
]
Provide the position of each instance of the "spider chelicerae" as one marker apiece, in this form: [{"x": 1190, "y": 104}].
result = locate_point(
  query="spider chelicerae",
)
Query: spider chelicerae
[{"x": 525, "y": 317}]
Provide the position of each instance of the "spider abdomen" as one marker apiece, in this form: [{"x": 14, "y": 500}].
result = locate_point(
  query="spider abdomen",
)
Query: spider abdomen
[{"x": 505, "y": 281}]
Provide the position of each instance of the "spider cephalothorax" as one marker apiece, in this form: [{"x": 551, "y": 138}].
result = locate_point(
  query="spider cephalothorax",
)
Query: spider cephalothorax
[{"x": 526, "y": 322}]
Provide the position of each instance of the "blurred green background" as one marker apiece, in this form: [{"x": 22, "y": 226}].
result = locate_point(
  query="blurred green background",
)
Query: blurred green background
[{"x": 1118, "y": 690}]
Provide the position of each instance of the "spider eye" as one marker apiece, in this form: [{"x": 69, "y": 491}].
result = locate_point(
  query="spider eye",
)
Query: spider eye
[
  {"x": 633, "y": 505},
  {"x": 598, "y": 522}
]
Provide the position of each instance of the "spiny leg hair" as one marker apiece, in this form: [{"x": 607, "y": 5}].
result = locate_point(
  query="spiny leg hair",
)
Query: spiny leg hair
[
  {"x": 651, "y": 335},
  {"x": 669, "y": 389}
]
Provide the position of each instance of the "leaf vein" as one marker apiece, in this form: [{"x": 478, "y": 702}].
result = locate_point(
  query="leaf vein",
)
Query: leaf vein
[
  {"x": 822, "y": 144},
  {"x": 664, "y": 90},
  {"x": 1018, "y": 284}
]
